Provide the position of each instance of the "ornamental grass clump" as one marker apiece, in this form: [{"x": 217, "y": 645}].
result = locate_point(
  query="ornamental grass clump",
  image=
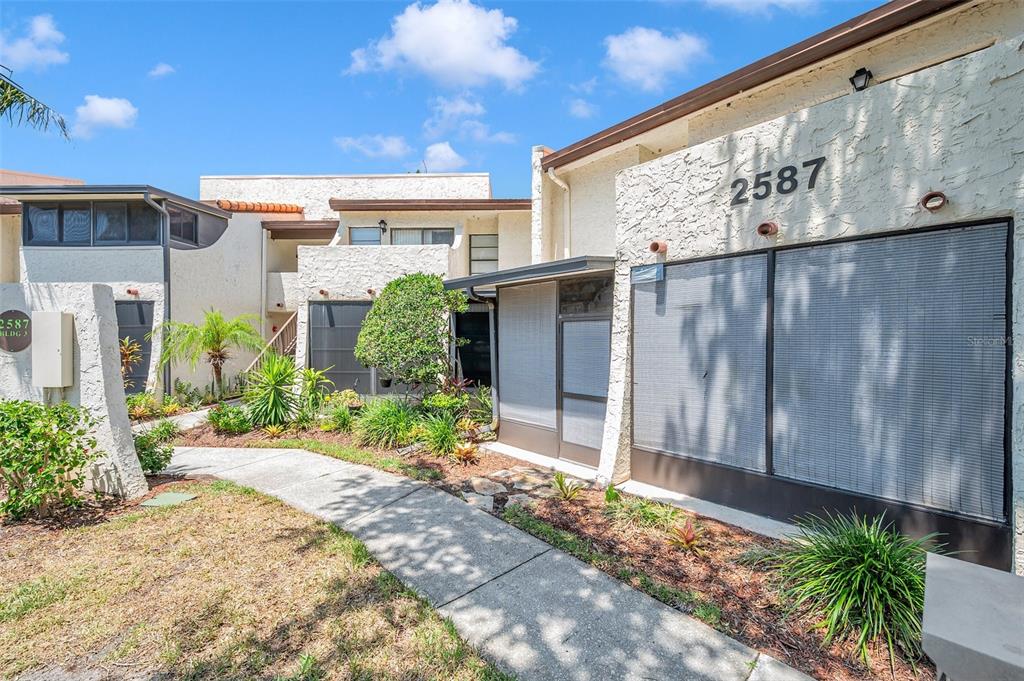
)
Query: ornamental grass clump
[
  {"x": 861, "y": 577},
  {"x": 440, "y": 434},
  {"x": 640, "y": 513},
  {"x": 385, "y": 423}
]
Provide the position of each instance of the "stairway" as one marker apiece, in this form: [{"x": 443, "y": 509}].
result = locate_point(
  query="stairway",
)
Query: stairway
[{"x": 283, "y": 343}]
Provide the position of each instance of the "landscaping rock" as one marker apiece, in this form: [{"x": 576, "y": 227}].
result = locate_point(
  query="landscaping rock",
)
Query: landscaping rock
[
  {"x": 485, "y": 486},
  {"x": 529, "y": 482},
  {"x": 543, "y": 493},
  {"x": 525, "y": 469},
  {"x": 519, "y": 500},
  {"x": 501, "y": 475},
  {"x": 480, "y": 501},
  {"x": 411, "y": 449}
]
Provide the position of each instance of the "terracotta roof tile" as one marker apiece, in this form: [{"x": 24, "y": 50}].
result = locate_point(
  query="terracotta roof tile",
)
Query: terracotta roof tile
[{"x": 257, "y": 207}]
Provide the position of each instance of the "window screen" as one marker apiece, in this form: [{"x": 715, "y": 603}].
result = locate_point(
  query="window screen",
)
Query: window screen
[
  {"x": 699, "y": 361},
  {"x": 583, "y": 421},
  {"x": 76, "y": 224},
  {"x": 483, "y": 253},
  {"x": 135, "y": 321},
  {"x": 425, "y": 237},
  {"x": 333, "y": 331},
  {"x": 111, "y": 221},
  {"x": 42, "y": 224},
  {"x": 364, "y": 236},
  {"x": 586, "y": 354},
  {"x": 890, "y": 367},
  {"x": 526, "y": 354}
]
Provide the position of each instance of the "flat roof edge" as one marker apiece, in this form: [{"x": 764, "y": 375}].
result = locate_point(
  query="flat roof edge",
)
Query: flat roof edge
[
  {"x": 86, "y": 189},
  {"x": 580, "y": 264}
]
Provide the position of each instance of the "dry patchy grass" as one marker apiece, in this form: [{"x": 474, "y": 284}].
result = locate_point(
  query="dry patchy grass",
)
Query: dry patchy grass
[{"x": 231, "y": 585}]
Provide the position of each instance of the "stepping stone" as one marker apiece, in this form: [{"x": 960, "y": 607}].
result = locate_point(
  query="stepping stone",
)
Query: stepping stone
[
  {"x": 528, "y": 482},
  {"x": 525, "y": 469},
  {"x": 480, "y": 501},
  {"x": 543, "y": 493},
  {"x": 519, "y": 500},
  {"x": 501, "y": 475},
  {"x": 485, "y": 486}
]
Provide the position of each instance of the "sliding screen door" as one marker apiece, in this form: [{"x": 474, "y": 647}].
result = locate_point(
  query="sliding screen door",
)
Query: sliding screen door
[{"x": 890, "y": 367}]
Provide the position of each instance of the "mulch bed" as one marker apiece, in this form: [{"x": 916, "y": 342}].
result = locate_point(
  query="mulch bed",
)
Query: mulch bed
[{"x": 751, "y": 610}]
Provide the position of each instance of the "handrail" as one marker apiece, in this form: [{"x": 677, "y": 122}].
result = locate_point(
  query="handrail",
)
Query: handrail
[{"x": 283, "y": 342}]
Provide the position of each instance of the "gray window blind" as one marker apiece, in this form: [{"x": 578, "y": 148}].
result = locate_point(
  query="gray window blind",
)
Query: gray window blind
[
  {"x": 582, "y": 421},
  {"x": 699, "y": 361},
  {"x": 526, "y": 354},
  {"x": 586, "y": 354},
  {"x": 890, "y": 368}
]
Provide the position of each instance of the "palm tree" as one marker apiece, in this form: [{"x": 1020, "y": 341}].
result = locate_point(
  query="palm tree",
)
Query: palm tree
[
  {"x": 20, "y": 107},
  {"x": 213, "y": 341}
]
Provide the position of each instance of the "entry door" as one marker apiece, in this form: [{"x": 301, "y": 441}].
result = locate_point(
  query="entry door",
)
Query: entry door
[{"x": 583, "y": 393}]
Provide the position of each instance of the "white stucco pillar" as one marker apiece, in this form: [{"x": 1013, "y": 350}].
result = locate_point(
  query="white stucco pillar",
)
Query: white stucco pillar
[{"x": 537, "y": 201}]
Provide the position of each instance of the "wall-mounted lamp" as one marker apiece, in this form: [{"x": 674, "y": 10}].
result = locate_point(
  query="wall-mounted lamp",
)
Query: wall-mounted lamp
[
  {"x": 383, "y": 224},
  {"x": 132, "y": 291},
  {"x": 860, "y": 79}
]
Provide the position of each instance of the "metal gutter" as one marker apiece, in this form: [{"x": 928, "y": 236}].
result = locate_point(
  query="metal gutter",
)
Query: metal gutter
[
  {"x": 869, "y": 26},
  {"x": 581, "y": 264},
  {"x": 79, "y": 190}
]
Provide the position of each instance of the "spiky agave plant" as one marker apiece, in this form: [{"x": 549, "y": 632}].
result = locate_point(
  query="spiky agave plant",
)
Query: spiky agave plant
[{"x": 864, "y": 579}]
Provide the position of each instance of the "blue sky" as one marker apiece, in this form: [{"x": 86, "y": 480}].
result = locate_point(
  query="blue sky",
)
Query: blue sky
[{"x": 161, "y": 93}]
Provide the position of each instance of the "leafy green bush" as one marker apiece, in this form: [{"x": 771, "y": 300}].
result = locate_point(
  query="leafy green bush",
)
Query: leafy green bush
[
  {"x": 142, "y": 405},
  {"x": 406, "y": 334},
  {"x": 453, "y": 405},
  {"x": 270, "y": 393},
  {"x": 152, "y": 448},
  {"x": 226, "y": 418},
  {"x": 385, "y": 423},
  {"x": 862, "y": 577},
  {"x": 348, "y": 397},
  {"x": 42, "y": 452},
  {"x": 340, "y": 417},
  {"x": 440, "y": 435},
  {"x": 637, "y": 512}
]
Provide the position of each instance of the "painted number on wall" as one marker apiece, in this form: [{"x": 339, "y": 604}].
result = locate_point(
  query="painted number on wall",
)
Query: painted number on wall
[{"x": 784, "y": 181}]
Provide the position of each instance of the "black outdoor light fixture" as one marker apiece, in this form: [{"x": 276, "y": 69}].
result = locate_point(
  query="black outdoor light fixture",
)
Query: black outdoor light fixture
[
  {"x": 383, "y": 224},
  {"x": 860, "y": 79}
]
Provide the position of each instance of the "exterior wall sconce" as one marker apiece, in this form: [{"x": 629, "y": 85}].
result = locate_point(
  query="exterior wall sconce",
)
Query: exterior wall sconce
[
  {"x": 860, "y": 79},
  {"x": 767, "y": 229},
  {"x": 658, "y": 247},
  {"x": 323, "y": 292},
  {"x": 933, "y": 201},
  {"x": 132, "y": 291},
  {"x": 383, "y": 224}
]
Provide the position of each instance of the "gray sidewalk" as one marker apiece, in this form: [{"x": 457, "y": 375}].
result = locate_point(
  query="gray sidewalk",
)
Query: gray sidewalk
[{"x": 535, "y": 611}]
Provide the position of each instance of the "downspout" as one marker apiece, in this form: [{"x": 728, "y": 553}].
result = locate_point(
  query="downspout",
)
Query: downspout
[
  {"x": 566, "y": 211},
  {"x": 165, "y": 235}
]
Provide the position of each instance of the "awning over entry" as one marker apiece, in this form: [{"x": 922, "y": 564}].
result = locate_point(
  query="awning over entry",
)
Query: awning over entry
[{"x": 583, "y": 264}]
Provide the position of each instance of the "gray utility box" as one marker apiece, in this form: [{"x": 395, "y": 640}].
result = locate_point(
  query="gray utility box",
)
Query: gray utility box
[{"x": 973, "y": 621}]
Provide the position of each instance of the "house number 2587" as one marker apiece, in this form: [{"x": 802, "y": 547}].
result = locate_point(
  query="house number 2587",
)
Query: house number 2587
[{"x": 784, "y": 181}]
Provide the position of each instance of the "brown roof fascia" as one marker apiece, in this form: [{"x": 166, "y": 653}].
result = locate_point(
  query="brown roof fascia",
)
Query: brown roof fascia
[
  {"x": 394, "y": 205},
  {"x": 301, "y": 229},
  {"x": 890, "y": 17},
  {"x": 10, "y": 208}
]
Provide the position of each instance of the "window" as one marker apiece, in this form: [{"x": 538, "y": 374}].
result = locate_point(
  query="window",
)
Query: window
[
  {"x": 422, "y": 237},
  {"x": 183, "y": 225},
  {"x": 364, "y": 236},
  {"x": 91, "y": 223},
  {"x": 483, "y": 253},
  {"x": 111, "y": 221}
]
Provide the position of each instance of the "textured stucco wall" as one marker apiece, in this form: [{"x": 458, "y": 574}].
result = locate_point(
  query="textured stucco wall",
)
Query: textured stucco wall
[
  {"x": 346, "y": 272},
  {"x": 10, "y": 245},
  {"x": 514, "y": 239},
  {"x": 954, "y": 127},
  {"x": 314, "y": 192},
  {"x": 965, "y": 29},
  {"x": 538, "y": 213},
  {"x": 226, "y": 276},
  {"x": 97, "y": 375}
]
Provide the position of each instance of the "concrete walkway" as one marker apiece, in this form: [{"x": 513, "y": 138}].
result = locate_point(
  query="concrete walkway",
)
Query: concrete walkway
[{"x": 535, "y": 611}]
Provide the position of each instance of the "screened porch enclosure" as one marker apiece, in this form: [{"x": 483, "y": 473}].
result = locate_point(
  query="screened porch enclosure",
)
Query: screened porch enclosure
[{"x": 867, "y": 374}]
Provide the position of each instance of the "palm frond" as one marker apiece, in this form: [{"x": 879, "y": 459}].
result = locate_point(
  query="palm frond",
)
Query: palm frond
[{"x": 22, "y": 108}]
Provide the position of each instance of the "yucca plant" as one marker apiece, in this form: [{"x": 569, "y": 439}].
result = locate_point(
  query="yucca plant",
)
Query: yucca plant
[
  {"x": 270, "y": 392},
  {"x": 864, "y": 579},
  {"x": 440, "y": 434},
  {"x": 687, "y": 537},
  {"x": 566, "y": 489},
  {"x": 385, "y": 423}
]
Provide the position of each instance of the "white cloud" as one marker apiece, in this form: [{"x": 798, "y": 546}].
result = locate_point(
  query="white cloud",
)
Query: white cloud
[
  {"x": 160, "y": 70},
  {"x": 37, "y": 49},
  {"x": 646, "y": 57},
  {"x": 441, "y": 158},
  {"x": 446, "y": 114},
  {"x": 102, "y": 112},
  {"x": 587, "y": 87},
  {"x": 581, "y": 108},
  {"x": 453, "y": 42},
  {"x": 375, "y": 146},
  {"x": 478, "y": 131},
  {"x": 763, "y": 6}
]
